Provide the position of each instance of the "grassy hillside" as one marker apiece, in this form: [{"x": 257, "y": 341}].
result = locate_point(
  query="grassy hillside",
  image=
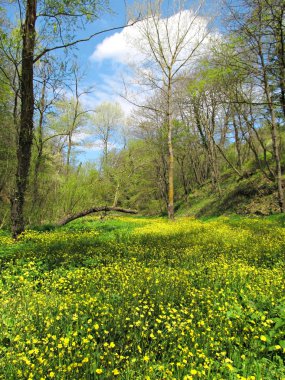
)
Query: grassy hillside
[
  {"x": 138, "y": 298},
  {"x": 254, "y": 195}
]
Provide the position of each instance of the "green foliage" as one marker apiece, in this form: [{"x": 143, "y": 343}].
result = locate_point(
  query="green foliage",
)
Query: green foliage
[
  {"x": 209, "y": 76},
  {"x": 136, "y": 298},
  {"x": 71, "y": 12}
]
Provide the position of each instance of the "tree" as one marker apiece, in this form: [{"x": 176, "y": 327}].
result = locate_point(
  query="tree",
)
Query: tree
[
  {"x": 170, "y": 44},
  {"x": 50, "y": 75},
  {"x": 71, "y": 115},
  {"x": 107, "y": 119},
  {"x": 59, "y": 20},
  {"x": 260, "y": 28},
  {"x": 9, "y": 102}
]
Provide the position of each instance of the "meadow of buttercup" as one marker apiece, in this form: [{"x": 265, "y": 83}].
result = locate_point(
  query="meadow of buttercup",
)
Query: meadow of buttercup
[{"x": 137, "y": 298}]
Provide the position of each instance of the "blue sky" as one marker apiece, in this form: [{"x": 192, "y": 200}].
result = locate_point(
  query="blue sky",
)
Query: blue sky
[
  {"x": 99, "y": 70},
  {"x": 114, "y": 19},
  {"x": 99, "y": 74},
  {"x": 103, "y": 58}
]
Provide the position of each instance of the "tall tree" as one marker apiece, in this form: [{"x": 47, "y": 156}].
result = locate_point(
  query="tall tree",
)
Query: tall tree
[
  {"x": 107, "y": 119},
  {"x": 45, "y": 26},
  {"x": 170, "y": 42},
  {"x": 259, "y": 25},
  {"x": 51, "y": 78}
]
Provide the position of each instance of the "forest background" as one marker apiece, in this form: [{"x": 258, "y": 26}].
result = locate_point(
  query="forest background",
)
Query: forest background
[{"x": 196, "y": 127}]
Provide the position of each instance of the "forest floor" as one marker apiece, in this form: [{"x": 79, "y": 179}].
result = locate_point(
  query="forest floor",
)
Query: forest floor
[{"x": 144, "y": 298}]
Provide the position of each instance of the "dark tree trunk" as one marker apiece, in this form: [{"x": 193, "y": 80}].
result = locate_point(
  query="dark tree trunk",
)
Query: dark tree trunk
[{"x": 26, "y": 119}]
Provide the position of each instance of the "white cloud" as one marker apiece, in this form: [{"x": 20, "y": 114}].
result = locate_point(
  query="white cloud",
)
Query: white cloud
[
  {"x": 130, "y": 45},
  {"x": 114, "y": 47}
]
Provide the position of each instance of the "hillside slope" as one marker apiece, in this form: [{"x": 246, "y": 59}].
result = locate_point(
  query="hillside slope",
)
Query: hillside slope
[{"x": 250, "y": 196}]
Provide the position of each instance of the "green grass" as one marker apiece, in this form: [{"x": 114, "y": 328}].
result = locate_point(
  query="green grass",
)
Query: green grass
[{"x": 145, "y": 298}]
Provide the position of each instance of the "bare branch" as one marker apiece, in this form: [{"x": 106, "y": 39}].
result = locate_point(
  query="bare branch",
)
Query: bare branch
[{"x": 82, "y": 40}]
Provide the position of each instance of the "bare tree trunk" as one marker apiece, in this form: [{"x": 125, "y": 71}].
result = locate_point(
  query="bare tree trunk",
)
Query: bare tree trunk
[
  {"x": 26, "y": 120},
  {"x": 69, "y": 146},
  {"x": 185, "y": 182},
  {"x": 209, "y": 145},
  {"x": 237, "y": 144},
  {"x": 39, "y": 144},
  {"x": 170, "y": 207},
  {"x": 73, "y": 124},
  {"x": 213, "y": 163},
  {"x": 116, "y": 197},
  {"x": 105, "y": 153},
  {"x": 212, "y": 145}
]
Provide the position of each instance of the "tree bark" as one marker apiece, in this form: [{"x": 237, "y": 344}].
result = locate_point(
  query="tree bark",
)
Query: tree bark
[
  {"x": 93, "y": 210},
  {"x": 237, "y": 144},
  {"x": 69, "y": 146},
  {"x": 26, "y": 119},
  {"x": 40, "y": 144},
  {"x": 116, "y": 196},
  {"x": 170, "y": 207}
]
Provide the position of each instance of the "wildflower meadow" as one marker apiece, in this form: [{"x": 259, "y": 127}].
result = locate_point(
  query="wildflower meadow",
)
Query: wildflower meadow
[{"x": 144, "y": 299}]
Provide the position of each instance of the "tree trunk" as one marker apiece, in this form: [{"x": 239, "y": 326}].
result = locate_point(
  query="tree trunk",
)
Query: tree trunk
[
  {"x": 185, "y": 182},
  {"x": 116, "y": 196},
  {"x": 237, "y": 144},
  {"x": 26, "y": 120},
  {"x": 208, "y": 143},
  {"x": 40, "y": 145},
  {"x": 69, "y": 146},
  {"x": 211, "y": 126},
  {"x": 280, "y": 48},
  {"x": 170, "y": 207},
  {"x": 93, "y": 210}
]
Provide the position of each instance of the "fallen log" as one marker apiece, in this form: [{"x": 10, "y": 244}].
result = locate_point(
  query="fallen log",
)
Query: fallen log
[{"x": 93, "y": 210}]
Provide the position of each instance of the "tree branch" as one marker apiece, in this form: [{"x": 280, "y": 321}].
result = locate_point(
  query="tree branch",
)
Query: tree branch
[{"x": 82, "y": 40}]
